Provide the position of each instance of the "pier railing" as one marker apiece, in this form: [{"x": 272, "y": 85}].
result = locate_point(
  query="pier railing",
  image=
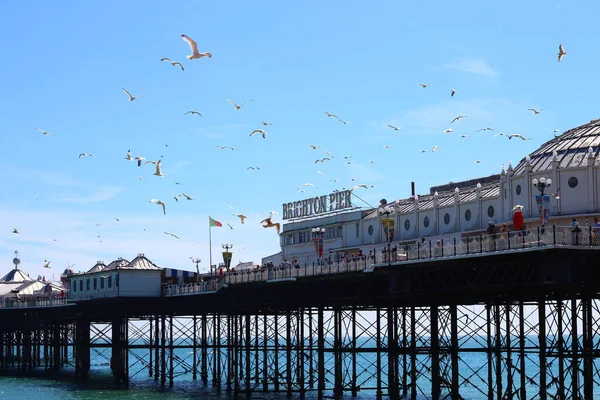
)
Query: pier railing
[
  {"x": 397, "y": 254},
  {"x": 14, "y": 302}
]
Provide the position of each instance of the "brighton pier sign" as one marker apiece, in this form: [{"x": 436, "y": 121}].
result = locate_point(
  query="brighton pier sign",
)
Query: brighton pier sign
[{"x": 318, "y": 205}]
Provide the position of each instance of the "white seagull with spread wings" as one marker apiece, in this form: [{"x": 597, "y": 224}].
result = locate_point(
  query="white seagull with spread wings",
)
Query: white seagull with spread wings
[
  {"x": 194, "y": 48},
  {"x": 160, "y": 203}
]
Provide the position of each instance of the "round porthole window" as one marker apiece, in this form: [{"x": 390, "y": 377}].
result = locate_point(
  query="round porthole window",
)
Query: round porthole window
[
  {"x": 573, "y": 182},
  {"x": 407, "y": 224},
  {"x": 426, "y": 222},
  {"x": 491, "y": 211},
  {"x": 446, "y": 218},
  {"x": 518, "y": 190},
  {"x": 468, "y": 215},
  {"x": 370, "y": 230}
]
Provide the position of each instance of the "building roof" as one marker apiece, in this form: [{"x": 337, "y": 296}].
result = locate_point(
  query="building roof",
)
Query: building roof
[
  {"x": 118, "y": 263},
  {"x": 571, "y": 148},
  {"x": 15, "y": 275},
  {"x": 490, "y": 188},
  {"x": 98, "y": 267},
  {"x": 12, "y": 288},
  {"x": 139, "y": 262}
]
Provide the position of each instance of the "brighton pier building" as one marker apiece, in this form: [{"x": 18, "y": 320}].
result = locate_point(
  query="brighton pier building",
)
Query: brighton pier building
[{"x": 559, "y": 181}]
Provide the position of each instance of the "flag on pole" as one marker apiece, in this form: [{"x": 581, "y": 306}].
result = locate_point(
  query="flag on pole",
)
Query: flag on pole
[{"x": 214, "y": 222}]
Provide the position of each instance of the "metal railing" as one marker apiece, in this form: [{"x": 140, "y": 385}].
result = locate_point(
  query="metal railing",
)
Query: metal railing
[
  {"x": 13, "y": 302},
  {"x": 396, "y": 254}
]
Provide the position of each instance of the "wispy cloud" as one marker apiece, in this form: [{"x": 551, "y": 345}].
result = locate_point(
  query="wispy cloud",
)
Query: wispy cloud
[{"x": 470, "y": 65}]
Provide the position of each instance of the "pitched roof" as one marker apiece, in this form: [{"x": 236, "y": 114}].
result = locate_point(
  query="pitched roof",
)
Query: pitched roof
[
  {"x": 15, "y": 275},
  {"x": 140, "y": 262},
  {"x": 98, "y": 267}
]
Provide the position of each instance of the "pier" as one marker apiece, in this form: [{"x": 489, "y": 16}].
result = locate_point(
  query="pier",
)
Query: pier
[{"x": 493, "y": 316}]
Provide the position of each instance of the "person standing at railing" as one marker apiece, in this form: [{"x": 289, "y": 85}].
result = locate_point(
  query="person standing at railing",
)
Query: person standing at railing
[
  {"x": 575, "y": 229},
  {"x": 596, "y": 232}
]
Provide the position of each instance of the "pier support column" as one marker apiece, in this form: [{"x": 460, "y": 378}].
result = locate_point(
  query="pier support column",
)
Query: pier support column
[
  {"x": 118, "y": 361},
  {"x": 392, "y": 320},
  {"x": 82, "y": 349}
]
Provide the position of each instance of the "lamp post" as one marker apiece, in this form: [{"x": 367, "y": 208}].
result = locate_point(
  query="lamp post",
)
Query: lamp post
[
  {"x": 318, "y": 234},
  {"x": 541, "y": 185},
  {"x": 387, "y": 210},
  {"x": 197, "y": 261},
  {"x": 227, "y": 255}
]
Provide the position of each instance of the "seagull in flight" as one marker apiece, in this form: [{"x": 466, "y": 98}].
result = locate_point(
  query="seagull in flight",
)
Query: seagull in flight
[
  {"x": 173, "y": 63},
  {"x": 172, "y": 234},
  {"x": 44, "y": 132},
  {"x": 323, "y": 160},
  {"x": 238, "y": 106},
  {"x": 131, "y": 98},
  {"x": 536, "y": 112},
  {"x": 387, "y": 146},
  {"x": 309, "y": 184},
  {"x": 85, "y": 154},
  {"x": 452, "y": 92},
  {"x": 464, "y": 136},
  {"x": 394, "y": 127},
  {"x": 229, "y": 225},
  {"x": 561, "y": 52},
  {"x": 160, "y": 203},
  {"x": 434, "y": 149},
  {"x": 478, "y": 161},
  {"x": 139, "y": 160},
  {"x": 193, "y": 112},
  {"x": 500, "y": 134},
  {"x": 128, "y": 156},
  {"x": 15, "y": 230},
  {"x": 158, "y": 169},
  {"x": 194, "y": 48},
  {"x": 187, "y": 197},
  {"x": 266, "y": 123},
  {"x": 484, "y": 129},
  {"x": 458, "y": 118},
  {"x": 336, "y": 117},
  {"x": 266, "y": 223},
  {"x": 329, "y": 154},
  {"x": 424, "y": 85},
  {"x": 556, "y": 195},
  {"x": 261, "y": 131},
  {"x": 46, "y": 264},
  {"x": 253, "y": 168},
  {"x": 517, "y": 135},
  {"x": 449, "y": 130},
  {"x": 517, "y": 207},
  {"x": 242, "y": 218},
  {"x": 313, "y": 147}
]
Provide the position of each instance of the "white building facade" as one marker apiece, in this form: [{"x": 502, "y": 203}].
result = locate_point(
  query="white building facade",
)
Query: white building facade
[{"x": 456, "y": 210}]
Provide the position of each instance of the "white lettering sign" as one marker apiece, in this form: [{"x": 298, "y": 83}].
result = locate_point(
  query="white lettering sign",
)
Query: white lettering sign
[{"x": 317, "y": 205}]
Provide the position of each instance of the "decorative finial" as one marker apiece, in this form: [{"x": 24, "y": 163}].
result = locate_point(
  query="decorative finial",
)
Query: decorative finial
[
  {"x": 436, "y": 193},
  {"x": 590, "y": 150},
  {"x": 456, "y": 190},
  {"x": 528, "y": 158},
  {"x": 478, "y": 185}
]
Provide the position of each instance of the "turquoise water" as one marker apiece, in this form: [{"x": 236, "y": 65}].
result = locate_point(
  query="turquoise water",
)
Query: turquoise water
[{"x": 100, "y": 384}]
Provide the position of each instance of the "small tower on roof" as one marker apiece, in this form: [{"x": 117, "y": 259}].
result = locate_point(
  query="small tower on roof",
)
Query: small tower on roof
[{"x": 16, "y": 260}]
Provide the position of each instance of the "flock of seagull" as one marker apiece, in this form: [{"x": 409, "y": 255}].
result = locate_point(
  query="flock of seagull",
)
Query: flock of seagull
[{"x": 267, "y": 222}]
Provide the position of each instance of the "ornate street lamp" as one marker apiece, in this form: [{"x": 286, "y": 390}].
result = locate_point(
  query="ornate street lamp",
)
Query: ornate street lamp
[
  {"x": 388, "y": 228},
  {"x": 227, "y": 255},
  {"x": 318, "y": 234},
  {"x": 541, "y": 200},
  {"x": 196, "y": 261}
]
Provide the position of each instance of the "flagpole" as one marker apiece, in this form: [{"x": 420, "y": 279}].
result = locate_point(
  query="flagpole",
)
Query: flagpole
[{"x": 210, "y": 246}]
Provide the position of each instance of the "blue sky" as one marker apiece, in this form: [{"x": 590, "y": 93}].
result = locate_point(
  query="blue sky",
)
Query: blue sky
[{"x": 64, "y": 64}]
